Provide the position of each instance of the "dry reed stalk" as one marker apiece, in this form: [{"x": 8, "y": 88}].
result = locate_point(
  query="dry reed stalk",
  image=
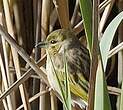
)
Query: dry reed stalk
[
  {"x": 37, "y": 52},
  {"x": 6, "y": 66},
  {"x": 53, "y": 101},
  {"x": 103, "y": 5},
  {"x": 115, "y": 50},
  {"x": 63, "y": 12},
  {"x": 31, "y": 56},
  {"x": 38, "y": 31},
  {"x": 22, "y": 87},
  {"x": 45, "y": 22},
  {"x": 75, "y": 13},
  {"x": 53, "y": 19},
  {"x": 94, "y": 50},
  {"x": 120, "y": 46},
  {"x": 23, "y": 78},
  {"x": 6, "y": 80},
  {"x": 79, "y": 27},
  {"x": 6, "y": 61},
  {"x": 35, "y": 76},
  {"x": 120, "y": 57},
  {"x": 35, "y": 12},
  {"x": 45, "y": 18},
  {"x": 15, "y": 54},
  {"x": 114, "y": 90},
  {"x": 5, "y": 83},
  {"x": 19, "y": 24},
  {"x": 34, "y": 98},
  {"x": 4, "y": 103}
]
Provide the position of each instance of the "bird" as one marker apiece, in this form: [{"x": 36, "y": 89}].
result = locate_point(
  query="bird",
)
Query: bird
[{"x": 62, "y": 46}]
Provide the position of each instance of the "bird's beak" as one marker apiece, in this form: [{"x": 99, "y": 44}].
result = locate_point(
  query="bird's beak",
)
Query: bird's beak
[{"x": 42, "y": 44}]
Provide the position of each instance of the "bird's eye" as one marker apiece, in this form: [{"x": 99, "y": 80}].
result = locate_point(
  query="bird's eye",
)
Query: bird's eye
[{"x": 53, "y": 41}]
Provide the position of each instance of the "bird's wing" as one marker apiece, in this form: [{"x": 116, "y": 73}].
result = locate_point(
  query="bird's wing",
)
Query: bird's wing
[
  {"x": 79, "y": 61},
  {"x": 78, "y": 91},
  {"x": 79, "y": 67},
  {"x": 75, "y": 88}
]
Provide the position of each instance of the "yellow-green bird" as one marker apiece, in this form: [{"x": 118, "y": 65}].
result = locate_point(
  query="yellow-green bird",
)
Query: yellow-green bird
[{"x": 63, "y": 46}]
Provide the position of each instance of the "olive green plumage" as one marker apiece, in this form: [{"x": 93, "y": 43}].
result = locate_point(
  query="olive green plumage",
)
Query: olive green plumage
[{"x": 63, "y": 43}]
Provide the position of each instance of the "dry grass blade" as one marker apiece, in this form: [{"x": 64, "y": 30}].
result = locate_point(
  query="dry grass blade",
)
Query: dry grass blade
[
  {"x": 114, "y": 90},
  {"x": 103, "y": 5},
  {"x": 115, "y": 50},
  {"x": 105, "y": 15},
  {"x": 104, "y": 2},
  {"x": 79, "y": 27},
  {"x": 35, "y": 76}
]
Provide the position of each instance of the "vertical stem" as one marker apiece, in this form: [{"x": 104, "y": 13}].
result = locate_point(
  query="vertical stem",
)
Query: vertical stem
[
  {"x": 94, "y": 62},
  {"x": 74, "y": 16},
  {"x": 120, "y": 58},
  {"x": 45, "y": 18},
  {"x": 120, "y": 53},
  {"x": 37, "y": 20},
  {"x": 1, "y": 82},
  {"x": 53, "y": 101},
  {"x": 63, "y": 12},
  {"x": 4, "y": 103},
  {"x": 15, "y": 55},
  {"x": 9, "y": 100},
  {"x": 45, "y": 21},
  {"x": 38, "y": 31},
  {"x": 5, "y": 82}
]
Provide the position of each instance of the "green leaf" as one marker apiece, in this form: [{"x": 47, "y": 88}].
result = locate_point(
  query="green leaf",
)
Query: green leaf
[
  {"x": 101, "y": 94},
  {"x": 86, "y": 11},
  {"x": 107, "y": 38},
  {"x": 67, "y": 85},
  {"x": 102, "y": 101}
]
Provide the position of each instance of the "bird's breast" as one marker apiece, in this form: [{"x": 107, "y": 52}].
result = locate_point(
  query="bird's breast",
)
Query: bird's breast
[{"x": 50, "y": 73}]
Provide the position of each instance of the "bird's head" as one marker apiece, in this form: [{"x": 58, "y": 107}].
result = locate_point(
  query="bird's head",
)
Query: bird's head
[{"x": 56, "y": 40}]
